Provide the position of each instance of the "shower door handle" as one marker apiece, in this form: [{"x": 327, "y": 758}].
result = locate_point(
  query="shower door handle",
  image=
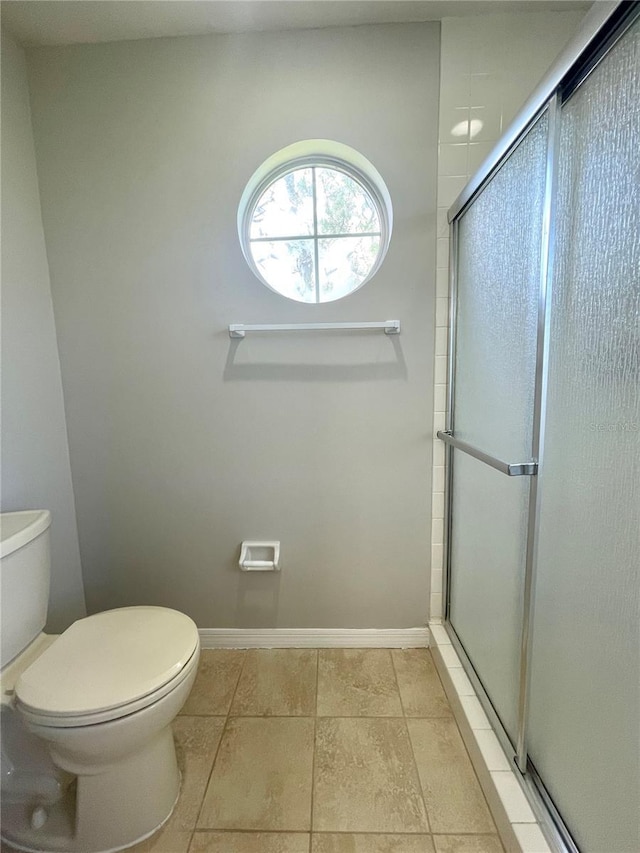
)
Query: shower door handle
[{"x": 511, "y": 469}]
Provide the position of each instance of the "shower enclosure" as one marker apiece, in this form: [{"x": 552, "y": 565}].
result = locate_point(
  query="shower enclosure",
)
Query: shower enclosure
[{"x": 543, "y": 442}]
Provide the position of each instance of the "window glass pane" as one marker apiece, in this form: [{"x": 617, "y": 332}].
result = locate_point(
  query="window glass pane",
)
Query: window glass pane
[
  {"x": 344, "y": 263},
  {"x": 305, "y": 210},
  {"x": 344, "y": 207},
  {"x": 285, "y": 209},
  {"x": 288, "y": 266}
]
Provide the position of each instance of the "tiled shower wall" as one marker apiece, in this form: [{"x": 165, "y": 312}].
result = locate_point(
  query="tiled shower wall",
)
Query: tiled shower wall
[{"x": 488, "y": 66}]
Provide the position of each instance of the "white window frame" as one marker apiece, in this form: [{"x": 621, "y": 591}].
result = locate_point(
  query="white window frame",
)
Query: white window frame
[{"x": 312, "y": 154}]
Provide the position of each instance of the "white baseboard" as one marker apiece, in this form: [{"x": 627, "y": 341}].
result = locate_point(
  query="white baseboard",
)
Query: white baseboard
[{"x": 314, "y": 638}]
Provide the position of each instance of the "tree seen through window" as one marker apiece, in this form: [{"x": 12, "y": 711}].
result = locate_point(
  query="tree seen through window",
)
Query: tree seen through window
[{"x": 315, "y": 234}]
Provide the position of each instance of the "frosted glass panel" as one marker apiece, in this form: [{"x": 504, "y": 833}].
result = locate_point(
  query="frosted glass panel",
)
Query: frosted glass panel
[
  {"x": 488, "y": 556},
  {"x": 498, "y": 284},
  {"x": 584, "y": 730}
]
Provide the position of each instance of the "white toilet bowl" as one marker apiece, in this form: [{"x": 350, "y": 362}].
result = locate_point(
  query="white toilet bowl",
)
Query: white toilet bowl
[
  {"x": 102, "y": 698},
  {"x": 88, "y": 759}
]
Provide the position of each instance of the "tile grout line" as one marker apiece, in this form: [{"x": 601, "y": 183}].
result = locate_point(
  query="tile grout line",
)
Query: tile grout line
[
  {"x": 245, "y": 655},
  {"x": 324, "y": 716},
  {"x": 222, "y": 734},
  {"x": 468, "y": 754},
  {"x": 313, "y": 759},
  {"x": 413, "y": 755},
  {"x": 231, "y": 831}
]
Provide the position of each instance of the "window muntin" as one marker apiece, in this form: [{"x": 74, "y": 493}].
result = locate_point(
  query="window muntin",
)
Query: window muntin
[
  {"x": 315, "y": 229},
  {"x": 285, "y": 207}
]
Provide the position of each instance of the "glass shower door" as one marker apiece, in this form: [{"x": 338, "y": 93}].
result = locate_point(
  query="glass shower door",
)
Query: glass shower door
[
  {"x": 544, "y": 570},
  {"x": 584, "y": 720},
  {"x": 499, "y": 241}
]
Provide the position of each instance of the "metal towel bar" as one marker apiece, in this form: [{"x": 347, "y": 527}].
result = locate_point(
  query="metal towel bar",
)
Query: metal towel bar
[{"x": 238, "y": 330}]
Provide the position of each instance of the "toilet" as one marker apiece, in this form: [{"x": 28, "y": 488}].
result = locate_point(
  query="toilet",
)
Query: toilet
[{"x": 88, "y": 758}]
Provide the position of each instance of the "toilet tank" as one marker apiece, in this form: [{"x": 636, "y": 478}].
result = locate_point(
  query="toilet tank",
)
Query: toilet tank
[{"x": 25, "y": 561}]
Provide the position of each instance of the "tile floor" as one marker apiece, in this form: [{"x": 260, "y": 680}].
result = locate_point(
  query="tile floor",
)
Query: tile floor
[{"x": 329, "y": 751}]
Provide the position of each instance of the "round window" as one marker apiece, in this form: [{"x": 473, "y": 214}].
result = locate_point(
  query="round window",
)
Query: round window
[{"x": 315, "y": 221}]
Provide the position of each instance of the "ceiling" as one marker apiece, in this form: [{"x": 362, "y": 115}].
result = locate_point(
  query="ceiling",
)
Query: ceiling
[{"x": 55, "y": 22}]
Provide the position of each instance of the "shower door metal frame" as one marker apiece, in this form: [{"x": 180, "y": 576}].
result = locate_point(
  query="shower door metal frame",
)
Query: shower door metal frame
[
  {"x": 600, "y": 32},
  {"x": 530, "y": 468}
]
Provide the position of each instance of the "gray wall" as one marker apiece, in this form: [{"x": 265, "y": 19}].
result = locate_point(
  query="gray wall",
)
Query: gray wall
[
  {"x": 35, "y": 454},
  {"x": 184, "y": 443}
]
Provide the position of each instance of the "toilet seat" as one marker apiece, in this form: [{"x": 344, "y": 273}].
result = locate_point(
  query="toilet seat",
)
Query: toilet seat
[{"x": 107, "y": 666}]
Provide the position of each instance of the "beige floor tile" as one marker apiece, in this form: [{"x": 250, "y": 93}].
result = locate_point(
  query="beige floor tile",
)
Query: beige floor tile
[
  {"x": 249, "y": 842},
  {"x": 348, "y": 843},
  {"x": 365, "y": 778},
  {"x": 197, "y": 740},
  {"x": 420, "y": 688},
  {"x": 262, "y": 776},
  {"x": 468, "y": 844},
  {"x": 357, "y": 683},
  {"x": 277, "y": 682},
  {"x": 218, "y": 674},
  {"x": 165, "y": 841},
  {"x": 452, "y": 793}
]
